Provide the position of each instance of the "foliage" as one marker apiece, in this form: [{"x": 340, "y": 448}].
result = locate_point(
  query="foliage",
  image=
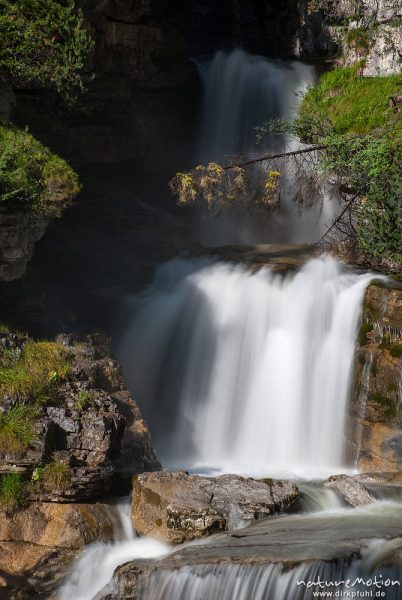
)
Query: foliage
[
  {"x": 45, "y": 43},
  {"x": 16, "y": 429},
  {"x": 13, "y": 491},
  {"x": 348, "y": 102},
  {"x": 83, "y": 399},
  {"x": 31, "y": 174},
  {"x": 54, "y": 476},
  {"x": 34, "y": 374}
]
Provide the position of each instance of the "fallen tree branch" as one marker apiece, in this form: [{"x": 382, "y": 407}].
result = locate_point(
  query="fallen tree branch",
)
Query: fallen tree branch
[
  {"x": 339, "y": 217},
  {"x": 253, "y": 161}
]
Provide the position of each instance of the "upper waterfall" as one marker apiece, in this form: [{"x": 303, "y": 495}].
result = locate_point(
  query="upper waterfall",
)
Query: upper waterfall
[
  {"x": 247, "y": 371},
  {"x": 242, "y": 91}
]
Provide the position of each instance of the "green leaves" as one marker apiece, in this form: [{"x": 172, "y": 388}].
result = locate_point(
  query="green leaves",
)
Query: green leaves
[
  {"x": 32, "y": 174},
  {"x": 44, "y": 43}
]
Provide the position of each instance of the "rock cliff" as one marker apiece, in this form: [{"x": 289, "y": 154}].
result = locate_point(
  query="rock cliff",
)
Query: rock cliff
[{"x": 376, "y": 411}]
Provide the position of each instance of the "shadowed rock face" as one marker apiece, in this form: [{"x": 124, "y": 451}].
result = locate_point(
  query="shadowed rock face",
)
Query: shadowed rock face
[
  {"x": 375, "y": 433},
  {"x": 177, "y": 507},
  {"x": 92, "y": 426}
]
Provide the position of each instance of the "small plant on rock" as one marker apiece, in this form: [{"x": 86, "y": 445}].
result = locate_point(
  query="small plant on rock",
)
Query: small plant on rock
[
  {"x": 16, "y": 429},
  {"x": 13, "y": 491}
]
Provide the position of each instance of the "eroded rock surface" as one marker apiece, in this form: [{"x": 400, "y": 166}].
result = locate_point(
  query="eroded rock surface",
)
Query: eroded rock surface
[
  {"x": 375, "y": 434},
  {"x": 37, "y": 543},
  {"x": 82, "y": 431},
  {"x": 176, "y": 506},
  {"x": 351, "y": 489}
]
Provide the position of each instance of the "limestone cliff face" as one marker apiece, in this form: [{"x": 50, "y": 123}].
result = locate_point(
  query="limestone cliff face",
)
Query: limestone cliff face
[
  {"x": 376, "y": 411},
  {"x": 352, "y": 30}
]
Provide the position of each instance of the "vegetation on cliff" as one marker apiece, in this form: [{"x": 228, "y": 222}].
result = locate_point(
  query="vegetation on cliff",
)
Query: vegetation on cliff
[
  {"x": 32, "y": 175},
  {"x": 44, "y": 43}
]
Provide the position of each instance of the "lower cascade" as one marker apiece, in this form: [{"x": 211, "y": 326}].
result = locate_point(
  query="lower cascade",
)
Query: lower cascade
[{"x": 248, "y": 371}]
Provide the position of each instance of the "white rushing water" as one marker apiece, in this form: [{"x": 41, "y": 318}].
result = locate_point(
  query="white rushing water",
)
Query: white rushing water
[
  {"x": 93, "y": 570},
  {"x": 245, "y": 371}
]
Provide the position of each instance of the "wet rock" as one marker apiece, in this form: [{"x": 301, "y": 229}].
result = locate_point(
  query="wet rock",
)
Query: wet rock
[
  {"x": 285, "y": 543},
  {"x": 375, "y": 432},
  {"x": 351, "y": 490},
  {"x": 176, "y": 506}
]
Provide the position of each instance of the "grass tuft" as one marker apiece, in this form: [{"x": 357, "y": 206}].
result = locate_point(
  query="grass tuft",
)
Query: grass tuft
[
  {"x": 13, "y": 491},
  {"x": 16, "y": 429},
  {"x": 33, "y": 375}
]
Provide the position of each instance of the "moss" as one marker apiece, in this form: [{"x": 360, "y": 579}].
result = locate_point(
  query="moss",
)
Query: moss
[
  {"x": 33, "y": 375},
  {"x": 31, "y": 175},
  {"x": 352, "y": 103},
  {"x": 158, "y": 522},
  {"x": 365, "y": 328},
  {"x": 17, "y": 429},
  {"x": 388, "y": 403},
  {"x": 396, "y": 350},
  {"x": 13, "y": 491},
  {"x": 362, "y": 360},
  {"x": 359, "y": 38}
]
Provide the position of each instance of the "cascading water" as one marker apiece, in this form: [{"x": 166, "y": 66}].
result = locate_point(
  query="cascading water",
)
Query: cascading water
[
  {"x": 243, "y": 91},
  {"x": 249, "y": 370}
]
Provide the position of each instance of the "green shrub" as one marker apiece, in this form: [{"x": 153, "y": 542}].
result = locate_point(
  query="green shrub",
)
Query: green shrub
[
  {"x": 34, "y": 375},
  {"x": 13, "y": 491},
  {"x": 32, "y": 175},
  {"x": 45, "y": 43},
  {"x": 17, "y": 429}
]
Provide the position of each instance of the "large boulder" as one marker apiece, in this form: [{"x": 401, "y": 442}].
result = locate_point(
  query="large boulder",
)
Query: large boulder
[
  {"x": 38, "y": 543},
  {"x": 177, "y": 507},
  {"x": 351, "y": 489}
]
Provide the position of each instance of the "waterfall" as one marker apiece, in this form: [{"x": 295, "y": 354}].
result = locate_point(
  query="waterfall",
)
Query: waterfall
[
  {"x": 256, "y": 582},
  {"x": 94, "y": 568},
  {"x": 242, "y": 91},
  {"x": 244, "y": 371}
]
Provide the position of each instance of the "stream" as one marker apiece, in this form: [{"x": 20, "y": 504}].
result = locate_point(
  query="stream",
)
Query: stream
[{"x": 243, "y": 369}]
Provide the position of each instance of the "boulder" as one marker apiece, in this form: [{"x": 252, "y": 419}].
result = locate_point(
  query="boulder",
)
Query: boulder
[
  {"x": 351, "y": 489},
  {"x": 37, "y": 544},
  {"x": 177, "y": 507}
]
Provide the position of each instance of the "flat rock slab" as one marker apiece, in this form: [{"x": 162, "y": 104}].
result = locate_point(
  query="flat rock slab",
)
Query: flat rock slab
[
  {"x": 178, "y": 507},
  {"x": 287, "y": 541}
]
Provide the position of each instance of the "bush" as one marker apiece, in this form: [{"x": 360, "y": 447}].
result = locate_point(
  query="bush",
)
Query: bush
[
  {"x": 31, "y": 174},
  {"x": 34, "y": 375},
  {"x": 16, "y": 429},
  {"x": 45, "y": 43}
]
